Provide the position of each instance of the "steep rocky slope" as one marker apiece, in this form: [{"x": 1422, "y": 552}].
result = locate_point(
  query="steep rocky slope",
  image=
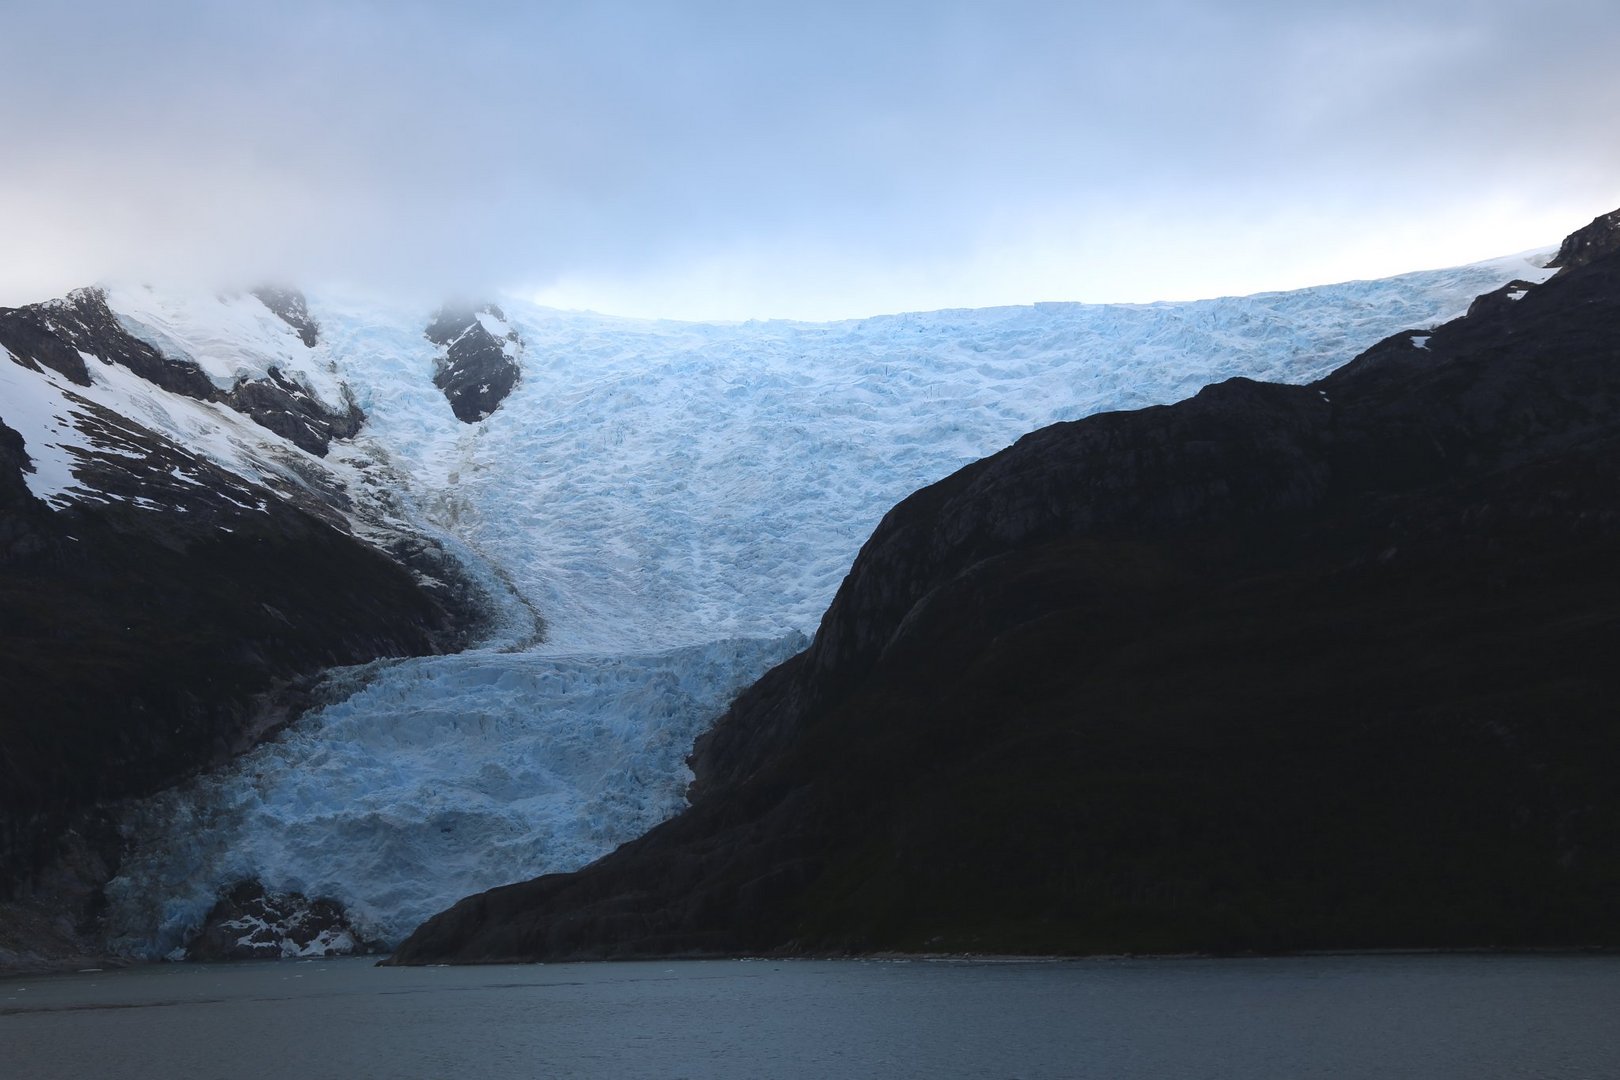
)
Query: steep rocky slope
[
  {"x": 1274, "y": 667},
  {"x": 162, "y": 612}
]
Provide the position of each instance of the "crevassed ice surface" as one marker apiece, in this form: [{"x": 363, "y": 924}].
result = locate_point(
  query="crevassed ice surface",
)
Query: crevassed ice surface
[{"x": 679, "y": 502}]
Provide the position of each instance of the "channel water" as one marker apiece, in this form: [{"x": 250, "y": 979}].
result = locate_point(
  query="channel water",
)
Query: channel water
[{"x": 1427, "y": 1017}]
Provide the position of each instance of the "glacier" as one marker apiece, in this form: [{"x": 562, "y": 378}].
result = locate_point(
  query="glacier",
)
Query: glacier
[{"x": 660, "y": 512}]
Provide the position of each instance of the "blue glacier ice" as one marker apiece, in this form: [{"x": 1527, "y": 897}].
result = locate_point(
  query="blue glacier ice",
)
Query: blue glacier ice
[{"x": 678, "y": 502}]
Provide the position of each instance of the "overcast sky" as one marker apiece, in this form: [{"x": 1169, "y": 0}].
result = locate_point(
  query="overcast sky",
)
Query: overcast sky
[{"x": 810, "y": 160}]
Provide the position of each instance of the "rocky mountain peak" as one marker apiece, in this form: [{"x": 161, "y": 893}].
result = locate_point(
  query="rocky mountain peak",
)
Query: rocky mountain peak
[
  {"x": 58, "y": 334},
  {"x": 1593, "y": 241}
]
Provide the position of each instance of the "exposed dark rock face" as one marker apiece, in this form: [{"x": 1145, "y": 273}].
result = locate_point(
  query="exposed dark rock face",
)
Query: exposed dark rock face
[
  {"x": 1487, "y": 304},
  {"x": 1275, "y": 667},
  {"x": 249, "y": 923},
  {"x": 55, "y": 334},
  {"x": 282, "y": 404},
  {"x": 293, "y": 309},
  {"x": 478, "y": 369},
  {"x": 289, "y": 409},
  {"x": 1593, "y": 241}
]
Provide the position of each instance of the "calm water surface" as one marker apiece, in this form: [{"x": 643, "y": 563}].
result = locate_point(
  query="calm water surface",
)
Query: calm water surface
[{"x": 1429, "y": 1017}]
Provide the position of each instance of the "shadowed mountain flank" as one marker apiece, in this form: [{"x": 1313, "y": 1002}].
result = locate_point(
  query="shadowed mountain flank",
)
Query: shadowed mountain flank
[{"x": 163, "y": 613}]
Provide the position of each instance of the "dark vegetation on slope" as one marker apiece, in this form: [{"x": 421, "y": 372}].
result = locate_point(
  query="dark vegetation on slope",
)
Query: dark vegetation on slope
[{"x": 1272, "y": 668}]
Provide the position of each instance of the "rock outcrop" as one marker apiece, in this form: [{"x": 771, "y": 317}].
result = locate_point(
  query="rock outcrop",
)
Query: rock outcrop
[
  {"x": 250, "y": 923},
  {"x": 479, "y": 367},
  {"x": 289, "y": 409},
  {"x": 1276, "y": 667},
  {"x": 1593, "y": 241}
]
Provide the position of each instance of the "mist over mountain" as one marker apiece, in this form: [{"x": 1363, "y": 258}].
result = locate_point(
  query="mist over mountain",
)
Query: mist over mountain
[{"x": 724, "y": 160}]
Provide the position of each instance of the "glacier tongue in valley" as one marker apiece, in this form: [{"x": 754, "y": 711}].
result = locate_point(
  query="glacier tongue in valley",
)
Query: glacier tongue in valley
[
  {"x": 439, "y": 776},
  {"x": 679, "y": 502}
]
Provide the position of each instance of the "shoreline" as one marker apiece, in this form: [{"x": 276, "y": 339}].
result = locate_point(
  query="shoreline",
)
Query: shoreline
[{"x": 85, "y": 964}]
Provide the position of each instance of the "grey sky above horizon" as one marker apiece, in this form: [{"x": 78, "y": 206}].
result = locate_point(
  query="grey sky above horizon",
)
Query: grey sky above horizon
[{"x": 733, "y": 160}]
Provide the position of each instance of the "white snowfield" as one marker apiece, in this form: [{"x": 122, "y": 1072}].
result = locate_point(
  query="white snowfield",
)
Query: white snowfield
[{"x": 678, "y": 501}]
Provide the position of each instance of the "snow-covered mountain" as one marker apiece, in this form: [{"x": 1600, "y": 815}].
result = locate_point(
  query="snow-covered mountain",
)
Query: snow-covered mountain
[{"x": 654, "y": 512}]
